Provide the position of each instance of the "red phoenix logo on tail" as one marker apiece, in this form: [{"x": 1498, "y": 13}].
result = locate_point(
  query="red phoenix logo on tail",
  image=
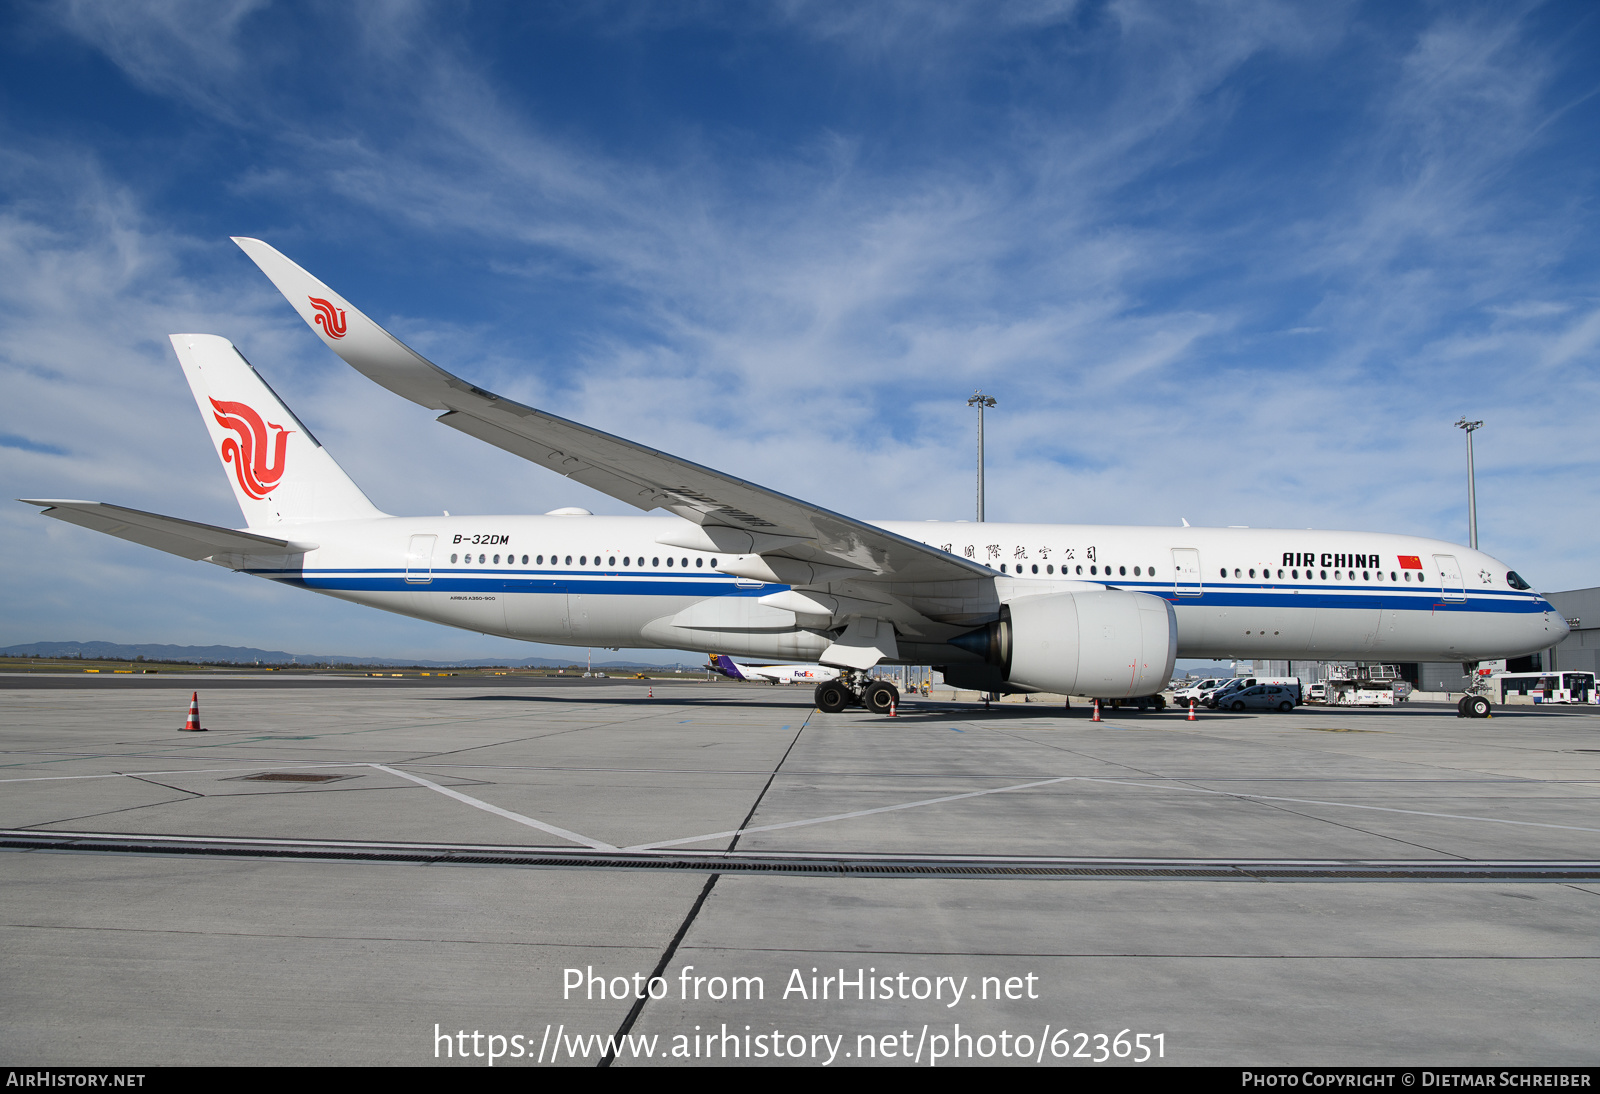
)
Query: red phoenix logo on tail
[
  {"x": 329, "y": 318},
  {"x": 248, "y": 453}
]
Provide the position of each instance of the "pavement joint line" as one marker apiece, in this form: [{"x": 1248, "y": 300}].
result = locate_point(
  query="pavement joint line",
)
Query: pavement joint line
[
  {"x": 477, "y": 803},
  {"x": 849, "y": 816},
  {"x": 298, "y": 765},
  {"x": 1094, "y": 779},
  {"x": 694, "y": 911}
]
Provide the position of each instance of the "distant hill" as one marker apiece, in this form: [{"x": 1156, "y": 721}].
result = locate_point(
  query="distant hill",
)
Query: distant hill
[{"x": 247, "y": 655}]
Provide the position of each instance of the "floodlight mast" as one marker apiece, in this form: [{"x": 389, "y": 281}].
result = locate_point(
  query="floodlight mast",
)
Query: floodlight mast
[
  {"x": 1472, "y": 487},
  {"x": 980, "y": 400}
]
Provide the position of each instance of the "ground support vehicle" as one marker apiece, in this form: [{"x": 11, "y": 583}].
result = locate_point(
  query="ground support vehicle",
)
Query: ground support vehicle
[{"x": 1365, "y": 686}]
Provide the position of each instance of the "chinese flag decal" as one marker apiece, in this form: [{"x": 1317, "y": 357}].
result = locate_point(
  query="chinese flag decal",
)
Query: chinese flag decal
[{"x": 1410, "y": 562}]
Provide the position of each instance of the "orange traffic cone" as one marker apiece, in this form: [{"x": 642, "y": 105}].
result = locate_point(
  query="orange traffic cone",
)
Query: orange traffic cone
[
  {"x": 1096, "y": 717},
  {"x": 652, "y": 694},
  {"x": 193, "y": 724},
  {"x": 1192, "y": 718},
  {"x": 893, "y": 704}
]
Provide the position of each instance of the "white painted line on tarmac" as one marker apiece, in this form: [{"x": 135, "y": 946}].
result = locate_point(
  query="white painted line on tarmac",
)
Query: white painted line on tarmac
[
  {"x": 1346, "y": 805},
  {"x": 849, "y": 816},
  {"x": 1102, "y": 781},
  {"x": 497, "y": 811}
]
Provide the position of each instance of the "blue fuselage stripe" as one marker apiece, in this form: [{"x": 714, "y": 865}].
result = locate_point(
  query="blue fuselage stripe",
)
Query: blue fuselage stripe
[{"x": 589, "y": 583}]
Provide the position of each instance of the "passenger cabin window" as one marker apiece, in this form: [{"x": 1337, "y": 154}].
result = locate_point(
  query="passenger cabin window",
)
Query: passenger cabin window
[{"x": 657, "y": 562}]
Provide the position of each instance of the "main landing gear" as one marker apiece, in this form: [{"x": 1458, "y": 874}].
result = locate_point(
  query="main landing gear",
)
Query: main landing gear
[
  {"x": 1472, "y": 706},
  {"x": 855, "y": 688}
]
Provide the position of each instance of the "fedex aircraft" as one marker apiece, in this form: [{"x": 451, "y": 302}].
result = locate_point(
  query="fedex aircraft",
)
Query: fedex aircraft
[
  {"x": 736, "y": 568},
  {"x": 772, "y": 674}
]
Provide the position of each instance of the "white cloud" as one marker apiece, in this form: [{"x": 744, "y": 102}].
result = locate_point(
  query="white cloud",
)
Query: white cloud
[{"x": 813, "y": 316}]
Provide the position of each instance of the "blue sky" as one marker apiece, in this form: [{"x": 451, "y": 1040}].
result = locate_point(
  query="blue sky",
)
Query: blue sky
[{"x": 1243, "y": 263}]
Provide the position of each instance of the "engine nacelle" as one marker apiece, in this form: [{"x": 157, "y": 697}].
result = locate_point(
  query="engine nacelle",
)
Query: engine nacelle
[{"x": 1108, "y": 645}]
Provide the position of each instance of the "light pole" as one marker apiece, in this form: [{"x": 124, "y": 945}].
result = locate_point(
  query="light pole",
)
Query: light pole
[
  {"x": 980, "y": 400},
  {"x": 1472, "y": 486}
]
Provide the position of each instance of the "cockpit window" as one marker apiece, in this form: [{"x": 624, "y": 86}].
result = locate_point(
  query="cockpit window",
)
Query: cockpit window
[{"x": 1515, "y": 581}]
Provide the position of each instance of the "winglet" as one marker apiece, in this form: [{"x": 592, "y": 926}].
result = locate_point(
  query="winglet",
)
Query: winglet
[{"x": 349, "y": 332}]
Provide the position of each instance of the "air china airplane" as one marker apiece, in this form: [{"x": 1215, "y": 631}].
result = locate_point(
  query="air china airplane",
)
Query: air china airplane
[
  {"x": 772, "y": 674},
  {"x": 736, "y": 568}
]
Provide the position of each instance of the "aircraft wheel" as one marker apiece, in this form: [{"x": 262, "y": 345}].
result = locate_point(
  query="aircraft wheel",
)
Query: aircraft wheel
[
  {"x": 1478, "y": 707},
  {"x": 832, "y": 697},
  {"x": 1160, "y": 702},
  {"x": 1461, "y": 706},
  {"x": 879, "y": 697}
]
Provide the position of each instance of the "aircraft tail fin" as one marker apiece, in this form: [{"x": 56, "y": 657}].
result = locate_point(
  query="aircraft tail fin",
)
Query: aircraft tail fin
[
  {"x": 280, "y": 473},
  {"x": 728, "y": 667}
]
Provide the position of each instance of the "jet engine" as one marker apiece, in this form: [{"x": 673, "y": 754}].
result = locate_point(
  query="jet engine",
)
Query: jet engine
[{"x": 1109, "y": 645}]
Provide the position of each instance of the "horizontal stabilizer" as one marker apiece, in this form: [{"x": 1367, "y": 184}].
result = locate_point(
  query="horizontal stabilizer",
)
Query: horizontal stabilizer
[{"x": 186, "y": 538}]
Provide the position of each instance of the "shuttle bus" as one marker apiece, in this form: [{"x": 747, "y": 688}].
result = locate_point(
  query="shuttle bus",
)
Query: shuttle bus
[{"x": 1526, "y": 688}]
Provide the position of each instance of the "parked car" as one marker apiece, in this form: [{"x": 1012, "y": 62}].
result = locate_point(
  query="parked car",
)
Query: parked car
[
  {"x": 1219, "y": 699},
  {"x": 1260, "y": 697}
]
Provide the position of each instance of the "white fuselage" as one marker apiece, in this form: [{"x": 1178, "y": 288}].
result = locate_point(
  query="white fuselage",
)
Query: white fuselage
[{"x": 1248, "y": 593}]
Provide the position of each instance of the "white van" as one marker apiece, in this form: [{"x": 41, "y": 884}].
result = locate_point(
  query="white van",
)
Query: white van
[{"x": 1198, "y": 691}]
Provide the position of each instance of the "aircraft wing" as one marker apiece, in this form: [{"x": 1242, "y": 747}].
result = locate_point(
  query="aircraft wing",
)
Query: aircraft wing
[
  {"x": 173, "y": 535},
  {"x": 738, "y": 517}
]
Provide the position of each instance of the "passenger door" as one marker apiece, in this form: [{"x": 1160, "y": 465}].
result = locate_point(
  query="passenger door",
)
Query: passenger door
[
  {"x": 1186, "y": 564},
  {"x": 419, "y": 560},
  {"x": 1455, "y": 592}
]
